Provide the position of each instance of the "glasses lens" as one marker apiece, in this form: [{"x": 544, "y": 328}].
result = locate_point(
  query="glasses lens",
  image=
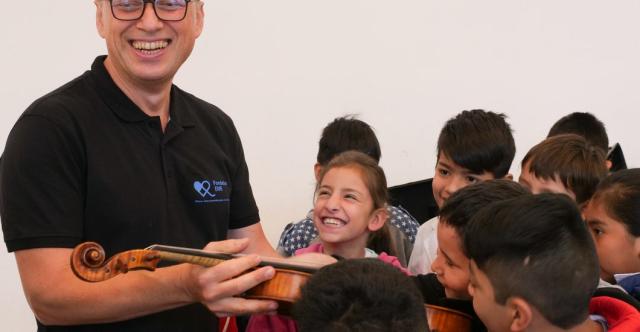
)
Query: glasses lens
[
  {"x": 127, "y": 9},
  {"x": 171, "y": 10}
]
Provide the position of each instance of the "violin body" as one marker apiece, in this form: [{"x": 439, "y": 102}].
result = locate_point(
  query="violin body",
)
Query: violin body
[{"x": 442, "y": 319}]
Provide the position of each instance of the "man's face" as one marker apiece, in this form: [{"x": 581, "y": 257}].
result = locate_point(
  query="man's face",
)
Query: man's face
[
  {"x": 494, "y": 315},
  {"x": 539, "y": 185},
  {"x": 451, "y": 266},
  {"x": 147, "y": 50},
  {"x": 451, "y": 177}
]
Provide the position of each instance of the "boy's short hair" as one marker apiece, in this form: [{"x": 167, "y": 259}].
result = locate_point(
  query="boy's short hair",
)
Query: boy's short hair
[
  {"x": 480, "y": 141},
  {"x": 583, "y": 124},
  {"x": 579, "y": 165},
  {"x": 458, "y": 210},
  {"x": 344, "y": 134},
  {"x": 364, "y": 295},
  {"x": 538, "y": 248}
]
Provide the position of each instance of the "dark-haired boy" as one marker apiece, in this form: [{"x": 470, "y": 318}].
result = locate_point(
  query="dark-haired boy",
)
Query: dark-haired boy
[
  {"x": 447, "y": 286},
  {"x": 534, "y": 268},
  {"x": 344, "y": 134},
  {"x": 564, "y": 164},
  {"x": 365, "y": 295},
  {"x": 473, "y": 146}
]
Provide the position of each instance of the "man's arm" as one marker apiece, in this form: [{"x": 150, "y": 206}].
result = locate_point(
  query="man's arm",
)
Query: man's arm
[
  {"x": 258, "y": 243},
  {"x": 54, "y": 292}
]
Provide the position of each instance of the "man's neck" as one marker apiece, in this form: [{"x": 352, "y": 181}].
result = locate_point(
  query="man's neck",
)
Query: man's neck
[
  {"x": 153, "y": 98},
  {"x": 586, "y": 326}
]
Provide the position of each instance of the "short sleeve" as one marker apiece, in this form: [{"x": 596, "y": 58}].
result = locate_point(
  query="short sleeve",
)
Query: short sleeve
[{"x": 41, "y": 186}]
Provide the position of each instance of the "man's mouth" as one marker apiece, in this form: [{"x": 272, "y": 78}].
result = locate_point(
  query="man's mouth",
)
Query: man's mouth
[{"x": 149, "y": 47}]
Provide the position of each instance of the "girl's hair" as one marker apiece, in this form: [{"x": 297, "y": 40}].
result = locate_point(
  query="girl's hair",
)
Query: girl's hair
[
  {"x": 620, "y": 195},
  {"x": 376, "y": 182}
]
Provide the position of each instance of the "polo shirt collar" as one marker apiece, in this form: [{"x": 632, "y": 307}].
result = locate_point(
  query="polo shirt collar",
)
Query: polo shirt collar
[{"x": 125, "y": 109}]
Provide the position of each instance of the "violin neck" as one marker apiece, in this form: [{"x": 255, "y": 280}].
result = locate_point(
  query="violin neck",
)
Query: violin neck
[{"x": 208, "y": 258}]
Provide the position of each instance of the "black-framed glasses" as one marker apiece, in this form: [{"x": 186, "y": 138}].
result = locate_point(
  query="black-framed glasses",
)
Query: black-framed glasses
[{"x": 166, "y": 10}]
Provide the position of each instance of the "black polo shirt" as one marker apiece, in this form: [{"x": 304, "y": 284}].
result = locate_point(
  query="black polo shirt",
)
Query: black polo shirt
[{"x": 84, "y": 163}]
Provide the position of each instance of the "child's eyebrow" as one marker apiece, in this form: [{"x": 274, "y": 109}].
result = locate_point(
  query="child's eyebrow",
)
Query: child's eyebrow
[{"x": 594, "y": 222}]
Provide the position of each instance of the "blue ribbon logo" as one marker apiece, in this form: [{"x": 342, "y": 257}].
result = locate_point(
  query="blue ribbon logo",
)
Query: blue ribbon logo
[{"x": 203, "y": 188}]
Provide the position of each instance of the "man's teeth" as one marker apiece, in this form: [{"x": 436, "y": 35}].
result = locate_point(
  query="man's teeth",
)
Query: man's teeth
[
  {"x": 332, "y": 222},
  {"x": 150, "y": 46}
]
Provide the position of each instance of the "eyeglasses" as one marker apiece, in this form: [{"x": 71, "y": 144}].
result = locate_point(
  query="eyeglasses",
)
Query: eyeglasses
[{"x": 166, "y": 10}]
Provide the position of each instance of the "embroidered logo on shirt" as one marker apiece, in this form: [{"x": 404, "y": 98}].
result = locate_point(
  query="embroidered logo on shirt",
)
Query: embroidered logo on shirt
[{"x": 204, "y": 188}]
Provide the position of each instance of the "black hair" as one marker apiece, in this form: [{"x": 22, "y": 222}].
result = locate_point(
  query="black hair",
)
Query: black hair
[
  {"x": 620, "y": 195},
  {"x": 579, "y": 165},
  {"x": 537, "y": 247},
  {"x": 464, "y": 203},
  {"x": 480, "y": 141},
  {"x": 344, "y": 134},
  {"x": 583, "y": 124},
  {"x": 360, "y": 295}
]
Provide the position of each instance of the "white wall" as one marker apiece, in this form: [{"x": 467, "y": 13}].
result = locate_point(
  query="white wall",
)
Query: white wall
[{"x": 284, "y": 68}]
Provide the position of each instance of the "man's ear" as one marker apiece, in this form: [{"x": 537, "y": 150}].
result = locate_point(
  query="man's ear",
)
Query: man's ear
[
  {"x": 100, "y": 25},
  {"x": 520, "y": 312},
  {"x": 378, "y": 218},
  {"x": 317, "y": 168},
  {"x": 509, "y": 176},
  {"x": 199, "y": 18}
]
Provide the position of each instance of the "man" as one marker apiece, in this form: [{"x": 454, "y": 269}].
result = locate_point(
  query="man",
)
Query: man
[{"x": 122, "y": 157}]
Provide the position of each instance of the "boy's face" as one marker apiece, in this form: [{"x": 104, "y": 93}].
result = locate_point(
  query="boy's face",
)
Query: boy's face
[
  {"x": 495, "y": 316},
  {"x": 618, "y": 250},
  {"x": 451, "y": 177},
  {"x": 539, "y": 185},
  {"x": 451, "y": 265}
]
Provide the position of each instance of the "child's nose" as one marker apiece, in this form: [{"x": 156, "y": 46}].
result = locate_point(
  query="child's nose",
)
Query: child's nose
[
  {"x": 333, "y": 203},
  {"x": 454, "y": 185}
]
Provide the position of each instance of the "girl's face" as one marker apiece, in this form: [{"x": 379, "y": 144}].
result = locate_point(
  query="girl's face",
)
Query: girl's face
[
  {"x": 618, "y": 250},
  {"x": 343, "y": 211},
  {"x": 451, "y": 265}
]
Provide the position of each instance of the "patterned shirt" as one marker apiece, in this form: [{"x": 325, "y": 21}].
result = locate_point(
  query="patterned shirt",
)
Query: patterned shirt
[{"x": 300, "y": 234}]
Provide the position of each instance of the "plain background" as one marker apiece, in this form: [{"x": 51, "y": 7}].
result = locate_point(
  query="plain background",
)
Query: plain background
[{"x": 283, "y": 69}]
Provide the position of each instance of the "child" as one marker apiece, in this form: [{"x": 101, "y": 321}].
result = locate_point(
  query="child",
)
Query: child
[
  {"x": 582, "y": 124},
  {"x": 534, "y": 268},
  {"x": 473, "y": 146},
  {"x": 447, "y": 287},
  {"x": 565, "y": 164},
  {"x": 344, "y": 134},
  {"x": 613, "y": 216},
  {"x": 350, "y": 215},
  {"x": 360, "y": 295}
]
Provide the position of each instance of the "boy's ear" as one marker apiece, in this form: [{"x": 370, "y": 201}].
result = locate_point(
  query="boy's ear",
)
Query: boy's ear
[
  {"x": 317, "y": 168},
  {"x": 377, "y": 220},
  {"x": 609, "y": 163},
  {"x": 509, "y": 176},
  {"x": 520, "y": 312}
]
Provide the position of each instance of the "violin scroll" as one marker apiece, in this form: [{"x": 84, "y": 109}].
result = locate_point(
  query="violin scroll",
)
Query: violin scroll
[{"x": 88, "y": 262}]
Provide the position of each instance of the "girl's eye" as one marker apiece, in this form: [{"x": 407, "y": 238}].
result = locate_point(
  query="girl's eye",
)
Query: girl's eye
[
  {"x": 351, "y": 197},
  {"x": 443, "y": 172},
  {"x": 323, "y": 193},
  {"x": 597, "y": 231},
  {"x": 448, "y": 262}
]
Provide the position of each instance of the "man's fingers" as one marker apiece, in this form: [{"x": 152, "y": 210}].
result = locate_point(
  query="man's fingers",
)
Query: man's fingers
[{"x": 239, "y": 306}]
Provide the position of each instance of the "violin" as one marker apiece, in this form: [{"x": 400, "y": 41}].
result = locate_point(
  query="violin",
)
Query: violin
[
  {"x": 441, "y": 319},
  {"x": 88, "y": 263}
]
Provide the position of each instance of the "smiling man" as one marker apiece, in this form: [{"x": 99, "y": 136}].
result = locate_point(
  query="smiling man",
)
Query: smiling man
[{"x": 123, "y": 157}]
